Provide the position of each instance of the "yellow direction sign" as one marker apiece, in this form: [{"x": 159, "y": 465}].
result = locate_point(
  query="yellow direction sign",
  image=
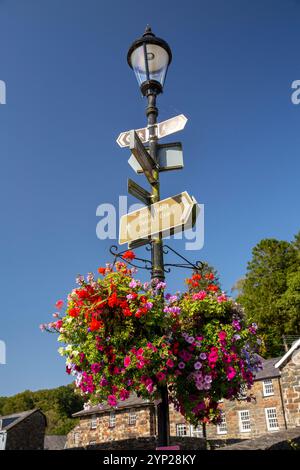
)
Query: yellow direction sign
[{"x": 165, "y": 217}]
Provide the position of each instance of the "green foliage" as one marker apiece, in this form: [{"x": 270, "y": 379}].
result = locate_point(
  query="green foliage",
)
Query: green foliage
[
  {"x": 58, "y": 404},
  {"x": 269, "y": 291}
]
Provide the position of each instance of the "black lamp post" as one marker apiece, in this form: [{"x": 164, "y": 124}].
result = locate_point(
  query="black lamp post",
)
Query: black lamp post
[{"x": 149, "y": 57}]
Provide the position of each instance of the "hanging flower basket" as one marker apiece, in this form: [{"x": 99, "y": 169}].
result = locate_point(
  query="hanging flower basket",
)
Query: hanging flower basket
[{"x": 123, "y": 337}]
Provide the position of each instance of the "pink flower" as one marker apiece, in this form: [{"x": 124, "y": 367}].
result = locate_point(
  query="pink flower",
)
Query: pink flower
[
  {"x": 200, "y": 295},
  {"x": 59, "y": 304},
  {"x": 111, "y": 400},
  {"x": 160, "y": 376},
  {"x": 170, "y": 363},
  {"x": 127, "y": 361},
  {"x": 222, "y": 298},
  {"x": 231, "y": 373},
  {"x": 58, "y": 324},
  {"x": 140, "y": 352},
  {"x": 222, "y": 335}
]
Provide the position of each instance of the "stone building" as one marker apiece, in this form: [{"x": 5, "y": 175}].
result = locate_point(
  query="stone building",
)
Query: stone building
[
  {"x": 23, "y": 431},
  {"x": 289, "y": 367},
  {"x": 274, "y": 406}
]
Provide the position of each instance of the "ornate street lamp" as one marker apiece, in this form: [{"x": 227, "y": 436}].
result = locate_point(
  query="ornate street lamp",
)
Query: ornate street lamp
[{"x": 150, "y": 57}]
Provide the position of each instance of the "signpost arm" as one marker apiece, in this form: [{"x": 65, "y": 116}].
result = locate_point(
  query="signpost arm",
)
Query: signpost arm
[{"x": 157, "y": 257}]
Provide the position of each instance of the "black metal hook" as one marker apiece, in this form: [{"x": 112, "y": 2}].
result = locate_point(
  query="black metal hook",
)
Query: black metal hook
[{"x": 147, "y": 264}]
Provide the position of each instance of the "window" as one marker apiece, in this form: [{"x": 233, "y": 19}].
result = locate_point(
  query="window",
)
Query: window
[
  {"x": 271, "y": 418},
  {"x": 93, "y": 422},
  {"x": 76, "y": 439},
  {"x": 268, "y": 388},
  {"x": 222, "y": 427},
  {"x": 244, "y": 418},
  {"x": 181, "y": 430},
  {"x": 132, "y": 417},
  {"x": 196, "y": 431},
  {"x": 112, "y": 419}
]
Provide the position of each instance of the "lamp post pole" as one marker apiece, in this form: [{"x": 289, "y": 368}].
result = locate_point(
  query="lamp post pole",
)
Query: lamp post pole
[
  {"x": 149, "y": 57},
  {"x": 157, "y": 261}
]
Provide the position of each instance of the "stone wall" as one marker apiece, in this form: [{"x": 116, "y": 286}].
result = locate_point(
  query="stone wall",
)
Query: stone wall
[
  {"x": 256, "y": 410},
  {"x": 283, "y": 440},
  {"x": 231, "y": 409},
  {"x": 147, "y": 443},
  {"x": 83, "y": 435},
  {"x": 28, "y": 434},
  {"x": 290, "y": 380},
  {"x": 146, "y": 421}
]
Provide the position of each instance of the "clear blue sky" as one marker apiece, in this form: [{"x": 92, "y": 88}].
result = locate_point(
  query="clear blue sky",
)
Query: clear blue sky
[{"x": 70, "y": 93}]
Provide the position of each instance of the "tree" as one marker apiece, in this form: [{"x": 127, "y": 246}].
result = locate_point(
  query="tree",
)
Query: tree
[
  {"x": 264, "y": 284},
  {"x": 289, "y": 304},
  {"x": 58, "y": 404}
]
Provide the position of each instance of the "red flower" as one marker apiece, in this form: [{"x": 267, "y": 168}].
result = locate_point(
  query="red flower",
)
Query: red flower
[
  {"x": 213, "y": 288},
  {"x": 129, "y": 255},
  {"x": 102, "y": 271},
  {"x": 210, "y": 276},
  {"x": 82, "y": 293},
  {"x": 95, "y": 324},
  {"x": 113, "y": 300},
  {"x": 196, "y": 277},
  {"x": 74, "y": 312}
]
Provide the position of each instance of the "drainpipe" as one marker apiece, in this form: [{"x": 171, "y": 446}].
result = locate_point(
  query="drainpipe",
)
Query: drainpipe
[{"x": 282, "y": 403}]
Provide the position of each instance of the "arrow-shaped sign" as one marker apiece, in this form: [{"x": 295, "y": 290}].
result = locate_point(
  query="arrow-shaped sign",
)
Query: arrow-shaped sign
[
  {"x": 143, "y": 157},
  {"x": 165, "y": 217},
  {"x": 172, "y": 125},
  {"x": 137, "y": 191},
  {"x": 175, "y": 124}
]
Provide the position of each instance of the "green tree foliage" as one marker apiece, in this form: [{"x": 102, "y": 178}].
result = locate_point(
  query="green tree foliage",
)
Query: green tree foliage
[
  {"x": 267, "y": 292},
  {"x": 58, "y": 404}
]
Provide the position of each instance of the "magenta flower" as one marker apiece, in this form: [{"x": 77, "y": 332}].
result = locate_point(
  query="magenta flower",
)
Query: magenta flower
[
  {"x": 111, "y": 400},
  {"x": 197, "y": 365},
  {"x": 236, "y": 325},
  {"x": 160, "y": 376},
  {"x": 231, "y": 373},
  {"x": 124, "y": 394},
  {"x": 127, "y": 361},
  {"x": 95, "y": 368},
  {"x": 170, "y": 363},
  {"x": 222, "y": 335},
  {"x": 181, "y": 365}
]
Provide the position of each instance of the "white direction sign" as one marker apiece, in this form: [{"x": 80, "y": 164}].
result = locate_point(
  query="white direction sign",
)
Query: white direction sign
[
  {"x": 175, "y": 124},
  {"x": 165, "y": 217},
  {"x": 172, "y": 125}
]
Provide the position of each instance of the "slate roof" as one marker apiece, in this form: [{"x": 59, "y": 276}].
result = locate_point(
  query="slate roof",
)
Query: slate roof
[
  {"x": 9, "y": 421},
  {"x": 55, "y": 442},
  {"x": 269, "y": 370},
  {"x": 131, "y": 402}
]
